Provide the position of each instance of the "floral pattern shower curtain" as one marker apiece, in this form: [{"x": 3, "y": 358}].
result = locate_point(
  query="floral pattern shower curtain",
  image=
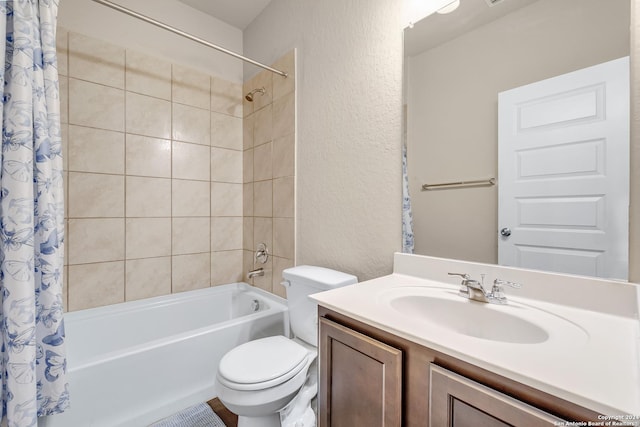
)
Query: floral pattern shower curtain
[{"x": 33, "y": 357}]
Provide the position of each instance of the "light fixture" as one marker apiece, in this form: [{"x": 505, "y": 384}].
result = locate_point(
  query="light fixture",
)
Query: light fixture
[{"x": 449, "y": 8}]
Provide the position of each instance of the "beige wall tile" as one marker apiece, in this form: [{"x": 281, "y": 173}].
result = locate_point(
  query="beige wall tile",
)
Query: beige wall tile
[
  {"x": 147, "y": 156},
  {"x": 148, "y": 197},
  {"x": 148, "y": 237},
  {"x": 96, "y": 61},
  {"x": 262, "y": 126},
  {"x": 226, "y": 233},
  {"x": 226, "y": 199},
  {"x": 226, "y": 97},
  {"x": 247, "y": 265},
  {"x": 191, "y": 124},
  {"x": 247, "y": 233},
  {"x": 247, "y": 132},
  {"x": 226, "y": 131},
  {"x": 226, "y": 267},
  {"x": 190, "y": 198},
  {"x": 283, "y": 156},
  {"x": 284, "y": 115},
  {"x": 226, "y": 165},
  {"x": 190, "y": 235},
  {"x": 190, "y": 272},
  {"x": 95, "y": 285},
  {"x": 95, "y": 150},
  {"x": 283, "y": 238},
  {"x": 191, "y": 161},
  {"x": 283, "y": 197},
  {"x": 262, "y": 79},
  {"x": 280, "y": 264},
  {"x": 95, "y": 195},
  {"x": 247, "y": 199},
  {"x": 283, "y": 86},
  {"x": 264, "y": 282},
  {"x": 247, "y": 166},
  {"x": 96, "y": 240},
  {"x": 191, "y": 87},
  {"x": 262, "y": 168},
  {"x": 65, "y": 289},
  {"x": 263, "y": 198},
  {"x": 148, "y": 75},
  {"x": 263, "y": 232},
  {"x": 63, "y": 86},
  {"x": 148, "y": 116},
  {"x": 64, "y": 135},
  {"x": 146, "y": 278},
  {"x": 247, "y": 107},
  {"x": 62, "y": 50},
  {"x": 95, "y": 105}
]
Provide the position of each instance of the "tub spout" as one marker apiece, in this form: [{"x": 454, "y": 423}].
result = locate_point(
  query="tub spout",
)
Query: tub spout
[{"x": 256, "y": 272}]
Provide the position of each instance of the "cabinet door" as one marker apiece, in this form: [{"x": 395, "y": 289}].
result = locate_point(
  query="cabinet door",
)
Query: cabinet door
[
  {"x": 360, "y": 379},
  {"x": 457, "y": 401}
]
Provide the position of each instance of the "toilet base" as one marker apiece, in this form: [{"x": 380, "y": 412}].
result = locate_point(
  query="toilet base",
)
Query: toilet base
[{"x": 271, "y": 420}]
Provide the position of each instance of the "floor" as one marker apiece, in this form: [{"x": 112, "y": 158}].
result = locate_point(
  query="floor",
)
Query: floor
[{"x": 228, "y": 418}]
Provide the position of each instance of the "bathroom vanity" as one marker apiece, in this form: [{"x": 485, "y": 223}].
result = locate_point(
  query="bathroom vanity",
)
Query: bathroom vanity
[{"x": 408, "y": 350}]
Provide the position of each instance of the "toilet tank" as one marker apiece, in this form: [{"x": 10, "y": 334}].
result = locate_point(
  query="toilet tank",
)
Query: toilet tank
[{"x": 302, "y": 281}]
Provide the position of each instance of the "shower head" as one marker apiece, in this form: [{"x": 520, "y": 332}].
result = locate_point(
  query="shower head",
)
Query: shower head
[{"x": 249, "y": 96}]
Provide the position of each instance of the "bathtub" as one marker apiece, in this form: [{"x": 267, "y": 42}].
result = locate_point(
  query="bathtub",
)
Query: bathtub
[{"x": 133, "y": 363}]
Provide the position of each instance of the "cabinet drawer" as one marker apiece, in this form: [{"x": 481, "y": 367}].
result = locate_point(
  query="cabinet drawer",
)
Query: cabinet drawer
[{"x": 457, "y": 401}]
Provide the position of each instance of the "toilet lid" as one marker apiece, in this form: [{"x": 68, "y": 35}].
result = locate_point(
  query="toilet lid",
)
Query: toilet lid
[{"x": 263, "y": 360}]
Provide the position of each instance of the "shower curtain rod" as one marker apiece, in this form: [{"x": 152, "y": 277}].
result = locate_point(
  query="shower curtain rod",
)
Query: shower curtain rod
[{"x": 186, "y": 35}]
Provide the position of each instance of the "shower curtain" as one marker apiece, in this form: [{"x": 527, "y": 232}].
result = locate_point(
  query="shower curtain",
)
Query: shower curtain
[
  {"x": 407, "y": 215},
  {"x": 33, "y": 357}
]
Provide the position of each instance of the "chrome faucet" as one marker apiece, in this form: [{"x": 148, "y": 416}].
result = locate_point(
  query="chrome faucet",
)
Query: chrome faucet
[
  {"x": 257, "y": 272},
  {"x": 474, "y": 290}
]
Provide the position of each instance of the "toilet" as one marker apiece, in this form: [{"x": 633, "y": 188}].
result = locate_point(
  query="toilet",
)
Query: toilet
[{"x": 259, "y": 378}]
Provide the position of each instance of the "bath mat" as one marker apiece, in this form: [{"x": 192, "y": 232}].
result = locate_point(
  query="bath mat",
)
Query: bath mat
[{"x": 200, "y": 415}]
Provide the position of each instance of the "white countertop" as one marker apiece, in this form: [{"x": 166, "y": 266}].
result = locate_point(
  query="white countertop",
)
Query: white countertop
[{"x": 593, "y": 362}]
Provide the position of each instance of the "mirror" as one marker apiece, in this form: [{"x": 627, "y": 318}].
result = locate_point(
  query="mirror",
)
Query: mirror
[{"x": 455, "y": 67}]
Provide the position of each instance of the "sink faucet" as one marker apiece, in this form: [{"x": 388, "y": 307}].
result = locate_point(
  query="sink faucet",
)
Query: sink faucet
[
  {"x": 471, "y": 288},
  {"x": 474, "y": 290}
]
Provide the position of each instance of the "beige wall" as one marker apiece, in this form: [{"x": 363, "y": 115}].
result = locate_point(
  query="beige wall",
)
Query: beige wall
[
  {"x": 153, "y": 167},
  {"x": 95, "y": 20},
  {"x": 452, "y": 110},
  {"x": 349, "y": 86}
]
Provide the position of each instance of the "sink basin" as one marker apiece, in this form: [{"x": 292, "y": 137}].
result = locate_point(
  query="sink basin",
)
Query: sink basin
[
  {"x": 471, "y": 318},
  {"x": 515, "y": 323}
]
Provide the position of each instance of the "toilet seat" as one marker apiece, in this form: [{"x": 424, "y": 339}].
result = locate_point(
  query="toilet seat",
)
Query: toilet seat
[{"x": 263, "y": 363}]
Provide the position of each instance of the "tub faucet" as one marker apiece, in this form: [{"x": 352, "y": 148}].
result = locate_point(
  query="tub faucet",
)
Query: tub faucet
[{"x": 256, "y": 272}]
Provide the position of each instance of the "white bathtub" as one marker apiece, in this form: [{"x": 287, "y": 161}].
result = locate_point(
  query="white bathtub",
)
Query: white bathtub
[{"x": 133, "y": 363}]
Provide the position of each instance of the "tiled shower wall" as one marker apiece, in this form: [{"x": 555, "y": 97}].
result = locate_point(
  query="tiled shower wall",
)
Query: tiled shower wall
[
  {"x": 269, "y": 135},
  {"x": 154, "y": 175}
]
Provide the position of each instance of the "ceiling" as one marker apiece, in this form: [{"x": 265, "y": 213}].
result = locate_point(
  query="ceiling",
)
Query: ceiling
[{"x": 239, "y": 13}]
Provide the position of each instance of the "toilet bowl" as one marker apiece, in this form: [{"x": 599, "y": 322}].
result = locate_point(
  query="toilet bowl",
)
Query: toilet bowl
[{"x": 259, "y": 378}]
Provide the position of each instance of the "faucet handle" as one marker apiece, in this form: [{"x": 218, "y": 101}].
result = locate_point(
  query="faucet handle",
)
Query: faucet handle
[
  {"x": 465, "y": 276},
  {"x": 500, "y": 282},
  {"x": 497, "y": 293}
]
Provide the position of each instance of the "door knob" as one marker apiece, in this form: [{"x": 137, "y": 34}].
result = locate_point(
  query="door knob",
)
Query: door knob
[{"x": 506, "y": 232}]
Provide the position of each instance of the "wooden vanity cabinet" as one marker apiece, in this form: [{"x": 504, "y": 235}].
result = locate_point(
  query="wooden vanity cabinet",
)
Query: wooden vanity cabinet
[
  {"x": 369, "y": 377},
  {"x": 363, "y": 384}
]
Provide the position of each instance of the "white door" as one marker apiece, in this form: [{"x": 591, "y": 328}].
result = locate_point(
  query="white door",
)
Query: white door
[{"x": 563, "y": 168}]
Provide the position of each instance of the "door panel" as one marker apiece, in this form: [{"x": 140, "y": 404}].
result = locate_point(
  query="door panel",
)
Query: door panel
[{"x": 563, "y": 172}]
